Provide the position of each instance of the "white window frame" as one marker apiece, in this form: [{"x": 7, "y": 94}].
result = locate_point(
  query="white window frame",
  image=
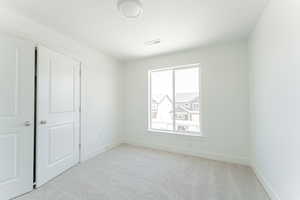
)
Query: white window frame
[{"x": 188, "y": 133}]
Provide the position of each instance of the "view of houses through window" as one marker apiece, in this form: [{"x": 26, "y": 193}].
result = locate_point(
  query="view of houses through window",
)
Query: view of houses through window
[{"x": 174, "y": 100}]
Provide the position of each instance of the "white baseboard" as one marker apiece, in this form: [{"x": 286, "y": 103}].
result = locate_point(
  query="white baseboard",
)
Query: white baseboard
[
  {"x": 266, "y": 184},
  {"x": 100, "y": 150},
  {"x": 211, "y": 156}
]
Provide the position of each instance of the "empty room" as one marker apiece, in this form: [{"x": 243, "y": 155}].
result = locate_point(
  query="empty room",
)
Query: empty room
[{"x": 149, "y": 99}]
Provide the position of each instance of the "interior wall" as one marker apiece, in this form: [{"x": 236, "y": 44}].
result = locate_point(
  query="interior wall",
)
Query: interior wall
[
  {"x": 275, "y": 99},
  {"x": 225, "y": 103},
  {"x": 101, "y": 84}
]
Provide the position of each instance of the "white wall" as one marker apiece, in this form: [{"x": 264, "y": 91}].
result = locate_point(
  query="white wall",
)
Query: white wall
[
  {"x": 225, "y": 103},
  {"x": 275, "y": 99},
  {"x": 101, "y": 85}
]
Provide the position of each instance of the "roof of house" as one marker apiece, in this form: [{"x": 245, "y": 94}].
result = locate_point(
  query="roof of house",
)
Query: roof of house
[
  {"x": 186, "y": 97},
  {"x": 180, "y": 97},
  {"x": 157, "y": 98}
]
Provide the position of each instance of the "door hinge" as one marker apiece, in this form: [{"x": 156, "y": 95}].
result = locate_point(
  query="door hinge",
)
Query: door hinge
[{"x": 79, "y": 146}]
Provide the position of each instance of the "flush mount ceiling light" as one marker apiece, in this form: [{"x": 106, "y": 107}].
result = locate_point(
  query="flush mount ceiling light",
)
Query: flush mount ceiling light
[{"x": 130, "y": 8}]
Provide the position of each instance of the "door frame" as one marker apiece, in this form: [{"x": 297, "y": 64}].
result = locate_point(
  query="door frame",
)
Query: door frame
[{"x": 81, "y": 107}]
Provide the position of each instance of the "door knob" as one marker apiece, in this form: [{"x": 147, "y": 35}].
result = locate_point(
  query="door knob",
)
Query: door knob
[
  {"x": 43, "y": 122},
  {"x": 27, "y": 123}
]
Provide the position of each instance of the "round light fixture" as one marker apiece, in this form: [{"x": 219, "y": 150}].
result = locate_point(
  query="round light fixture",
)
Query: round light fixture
[{"x": 130, "y": 8}]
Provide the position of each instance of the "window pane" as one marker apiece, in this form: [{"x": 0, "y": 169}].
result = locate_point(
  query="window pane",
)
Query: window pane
[
  {"x": 162, "y": 100},
  {"x": 187, "y": 109}
]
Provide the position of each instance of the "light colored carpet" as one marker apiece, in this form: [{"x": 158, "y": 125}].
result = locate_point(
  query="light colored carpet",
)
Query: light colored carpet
[{"x": 134, "y": 173}]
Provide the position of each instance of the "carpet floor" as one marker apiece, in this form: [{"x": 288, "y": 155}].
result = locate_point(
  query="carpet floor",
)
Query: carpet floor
[{"x": 134, "y": 173}]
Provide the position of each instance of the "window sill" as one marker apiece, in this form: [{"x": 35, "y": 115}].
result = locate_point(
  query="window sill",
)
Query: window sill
[{"x": 177, "y": 133}]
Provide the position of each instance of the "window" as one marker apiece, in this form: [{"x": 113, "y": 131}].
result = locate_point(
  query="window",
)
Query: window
[{"x": 174, "y": 98}]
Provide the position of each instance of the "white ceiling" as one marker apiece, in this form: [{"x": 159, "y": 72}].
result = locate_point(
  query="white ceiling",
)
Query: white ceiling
[{"x": 180, "y": 24}]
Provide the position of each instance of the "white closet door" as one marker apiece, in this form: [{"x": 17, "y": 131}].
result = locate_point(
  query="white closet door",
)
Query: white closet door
[
  {"x": 16, "y": 116},
  {"x": 57, "y": 114}
]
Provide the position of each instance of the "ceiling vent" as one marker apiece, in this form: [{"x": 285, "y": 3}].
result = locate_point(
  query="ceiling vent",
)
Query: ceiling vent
[{"x": 152, "y": 42}]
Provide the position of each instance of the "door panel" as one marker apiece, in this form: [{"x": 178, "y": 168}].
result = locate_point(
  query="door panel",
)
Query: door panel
[
  {"x": 57, "y": 114},
  {"x": 9, "y": 84},
  {"x": 8, "y": 152},
  {"x": 59, "y": 150},
  {"x": 16, "y": 116},
  {"x": 62, "y": 85}
]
